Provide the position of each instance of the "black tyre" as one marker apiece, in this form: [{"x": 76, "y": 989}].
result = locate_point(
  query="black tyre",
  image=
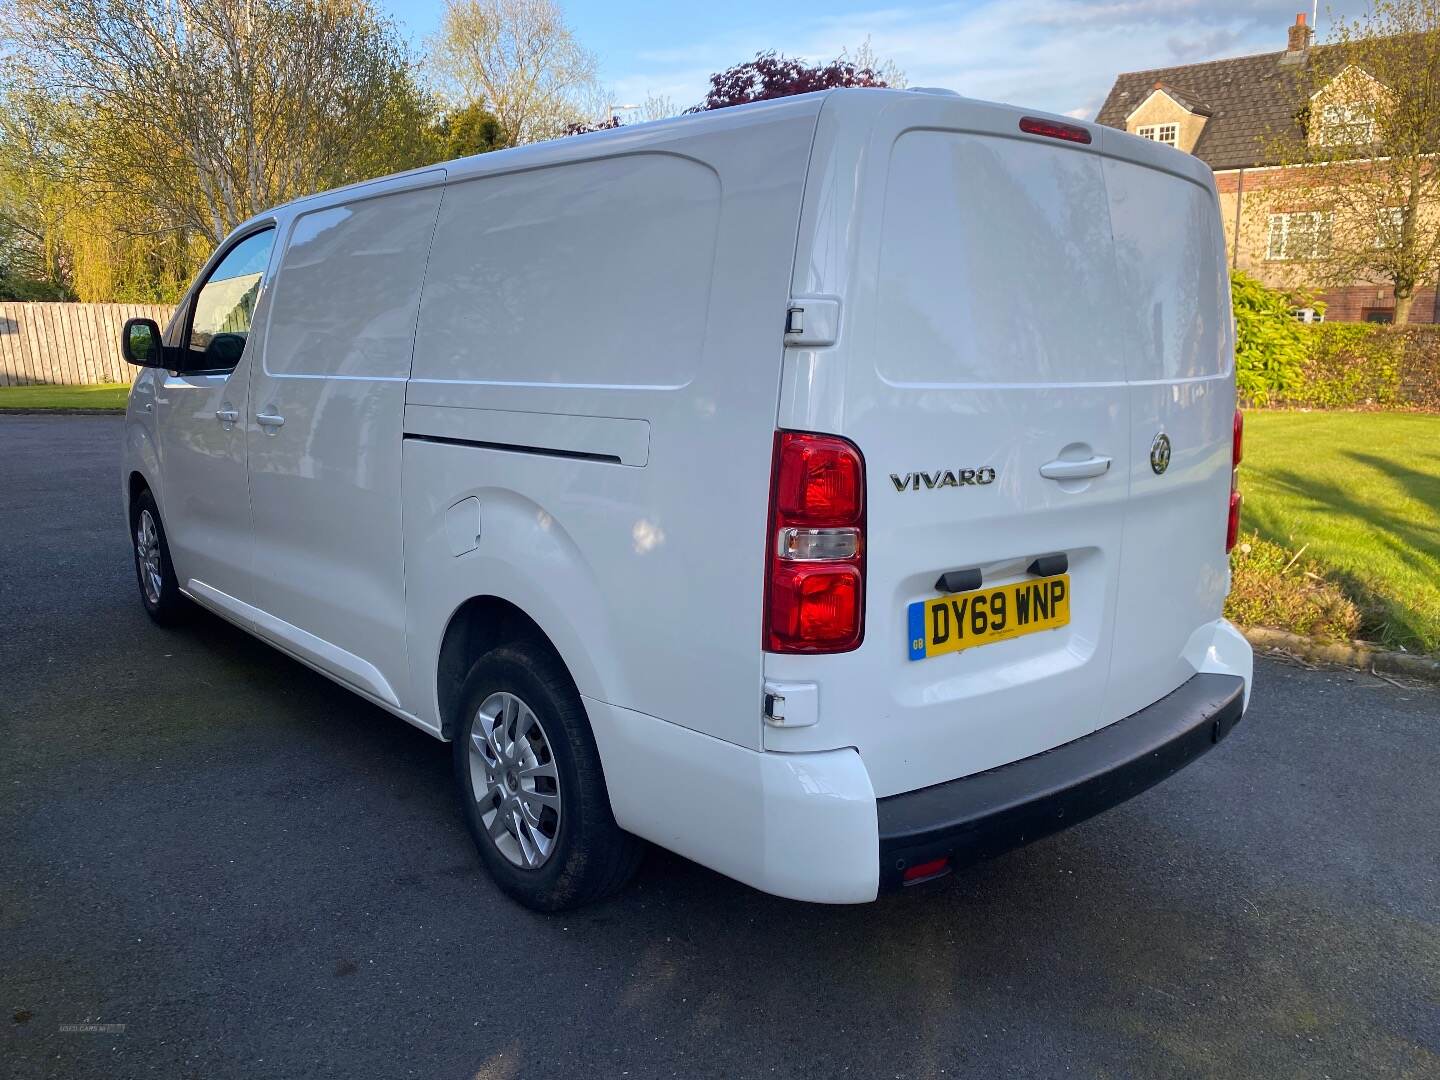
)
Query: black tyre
[
  {"x": 531, "y": 786},
  {"x": 154, "y": 572}
]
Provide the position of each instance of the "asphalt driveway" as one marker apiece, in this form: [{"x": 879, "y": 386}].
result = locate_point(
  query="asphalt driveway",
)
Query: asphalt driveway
[{"x": 215, "y": 863}]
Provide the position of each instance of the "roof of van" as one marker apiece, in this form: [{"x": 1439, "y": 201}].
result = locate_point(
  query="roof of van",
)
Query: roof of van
[
  {"x": 622, "y": 140},
  {"x": 633, "y": 138}
]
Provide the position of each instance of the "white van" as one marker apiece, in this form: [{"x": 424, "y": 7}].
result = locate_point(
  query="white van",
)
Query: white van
[{"x": 833, "y": 490}]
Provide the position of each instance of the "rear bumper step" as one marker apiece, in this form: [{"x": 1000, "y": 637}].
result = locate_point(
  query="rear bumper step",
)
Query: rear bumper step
[{"x": 977, "y": 817}]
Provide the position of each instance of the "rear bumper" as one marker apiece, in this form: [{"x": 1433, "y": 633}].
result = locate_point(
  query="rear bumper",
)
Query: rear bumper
[{"x": 979, "y": 816}]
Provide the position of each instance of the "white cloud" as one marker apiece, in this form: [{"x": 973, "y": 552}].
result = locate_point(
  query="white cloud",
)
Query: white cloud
[{"x": 1060, "y": 55}]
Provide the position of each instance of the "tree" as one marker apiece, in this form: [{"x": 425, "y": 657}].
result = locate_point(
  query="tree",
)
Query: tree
[
  {"x": 32, "y": 263},
  {"x": 1362, "y": 163},
  {"x": 189, "y": 116},
  {"x": 866, "y": 57},
  {"x": 657, "y": 107},
  {"x": 470, "y": 129},
  {"x": 771, "y": 75},
  {"x": 767, "y": 76},
  {"x": 518, "y": 59}
]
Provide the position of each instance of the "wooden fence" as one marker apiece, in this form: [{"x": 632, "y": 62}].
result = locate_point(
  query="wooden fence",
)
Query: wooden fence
[{"x": 67, "y": 343}]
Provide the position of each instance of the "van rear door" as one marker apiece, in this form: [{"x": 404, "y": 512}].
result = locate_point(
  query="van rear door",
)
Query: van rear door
[
  {"x": 984, "y": 383},
  {"x": 1179, "y": 354}
]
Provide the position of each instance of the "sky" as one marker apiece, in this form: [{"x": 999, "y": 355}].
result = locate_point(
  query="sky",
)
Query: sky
[{"x": 1057, "y": 55}]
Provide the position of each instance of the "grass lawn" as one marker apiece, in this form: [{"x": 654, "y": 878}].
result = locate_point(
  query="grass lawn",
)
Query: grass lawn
[
  {"x": 1361, "y": 493},
  {"x": 107, "y": 396}
]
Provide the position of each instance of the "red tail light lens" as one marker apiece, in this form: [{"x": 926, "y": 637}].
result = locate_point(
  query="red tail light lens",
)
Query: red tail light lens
[
  {"x": 815, "y": 608},
  {"x": 1232, "y": 524},
  {"x": 815, "y": 554},
  {"x": 1054, "y": 129},
  {"x": 1232, "y": 527},
  {"x": 818, "y": 480}
]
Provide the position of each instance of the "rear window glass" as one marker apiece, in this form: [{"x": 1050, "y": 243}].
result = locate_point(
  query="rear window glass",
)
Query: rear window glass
[
  {"x": 995, "y": 264},
  {"x": 1170, "y": 255}
]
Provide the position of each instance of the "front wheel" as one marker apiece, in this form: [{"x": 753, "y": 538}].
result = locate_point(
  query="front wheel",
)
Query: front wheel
[
  {"x": 531, "y": 786},
  {"x": 154, "y": 572}
]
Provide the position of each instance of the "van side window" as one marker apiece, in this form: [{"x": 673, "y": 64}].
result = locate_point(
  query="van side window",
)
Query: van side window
[
  {"x": 225, "y": 305},
  {"x": 347, "y": 288},
  {"x": 593, "y": 273}
]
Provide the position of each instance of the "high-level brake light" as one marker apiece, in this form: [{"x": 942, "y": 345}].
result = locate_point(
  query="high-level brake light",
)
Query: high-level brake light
[{"x": 1054, "y": 129}]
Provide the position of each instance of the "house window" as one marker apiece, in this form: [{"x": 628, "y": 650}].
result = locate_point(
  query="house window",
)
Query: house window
[
  {"x": 1169, "y": 134},
  {"x": 1301, "y": 235},
  {"x": 1307, "y": 315},
  {"x": 1350, "y": 124},
  {"x": 1391, "y": 220},
  {"x": 1377, "y": 315}
]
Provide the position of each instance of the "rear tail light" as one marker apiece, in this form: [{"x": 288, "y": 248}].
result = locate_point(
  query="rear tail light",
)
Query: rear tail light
[
  {"x": 1237, "y": 451},
  {"x": 815, "y": 554},
  {"x": 1054, "y": 129}
]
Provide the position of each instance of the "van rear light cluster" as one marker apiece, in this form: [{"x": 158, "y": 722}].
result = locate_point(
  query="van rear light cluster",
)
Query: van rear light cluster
[
  {"x": 1237, "y": 451},
  {"x": 815, "y": 554}
]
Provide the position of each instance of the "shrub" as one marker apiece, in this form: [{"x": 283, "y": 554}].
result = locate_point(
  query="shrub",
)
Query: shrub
[
  {"x": 28, "y": 290},
  {"x": 1270, "y": 586},
  {"x": 1420, "y": 368},
  {"x": 1349, "y": 365},
  {"x": 1270, "y": 346}
]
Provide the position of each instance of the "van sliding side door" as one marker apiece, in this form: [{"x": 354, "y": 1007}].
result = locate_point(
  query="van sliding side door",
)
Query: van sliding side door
[{"x": 327, "y": 409}]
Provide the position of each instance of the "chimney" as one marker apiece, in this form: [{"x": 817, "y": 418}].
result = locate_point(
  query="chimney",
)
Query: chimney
[{"x": 1299, "y": 35}]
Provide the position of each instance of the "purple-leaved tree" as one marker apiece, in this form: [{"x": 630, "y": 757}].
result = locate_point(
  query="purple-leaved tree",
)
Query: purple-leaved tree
[{"x": 771, "y": 75}]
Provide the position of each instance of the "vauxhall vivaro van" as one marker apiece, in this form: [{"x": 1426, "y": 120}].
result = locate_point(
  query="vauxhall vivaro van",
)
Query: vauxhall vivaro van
[{"x": 832, "y": 490}]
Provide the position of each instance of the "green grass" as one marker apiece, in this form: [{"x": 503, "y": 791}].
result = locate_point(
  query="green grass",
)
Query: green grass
[
  {"x": 107, "y": 396},
  {"x": 1360, "y": 494}
]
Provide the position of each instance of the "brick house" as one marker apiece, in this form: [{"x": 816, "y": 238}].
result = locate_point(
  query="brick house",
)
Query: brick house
[{"x": 1230, "y": 113}]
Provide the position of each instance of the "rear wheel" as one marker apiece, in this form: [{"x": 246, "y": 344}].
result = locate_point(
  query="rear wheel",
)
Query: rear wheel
[
  {"x": 531, "y": 786},
  {"x": 159, "y": 589}
]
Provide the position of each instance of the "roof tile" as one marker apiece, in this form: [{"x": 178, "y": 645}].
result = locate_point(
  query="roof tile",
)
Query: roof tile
[{"x": 1253, "y": 102}]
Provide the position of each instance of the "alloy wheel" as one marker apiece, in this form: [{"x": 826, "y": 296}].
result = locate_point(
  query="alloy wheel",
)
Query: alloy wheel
[
  {"x": 515, "y": 781},
  {"x": 147, "y": 551}
]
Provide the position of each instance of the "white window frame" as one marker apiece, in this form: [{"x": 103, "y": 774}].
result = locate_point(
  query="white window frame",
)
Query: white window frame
[
  {"x": 1286, "y": 232},
  {"x": 1307, "y": 315},
  {"x": 1165, "y": 134},
  {"x": 1347, "y": 123},
  {"x": 1388, "y": 226}
]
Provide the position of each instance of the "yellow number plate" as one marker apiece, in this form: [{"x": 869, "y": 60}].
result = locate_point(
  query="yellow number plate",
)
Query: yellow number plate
[{"x": 948, "y": 624}]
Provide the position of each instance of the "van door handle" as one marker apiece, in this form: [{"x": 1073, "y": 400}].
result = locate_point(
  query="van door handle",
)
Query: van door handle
[
  {"x": 270, "y": 420},
  {"x": 1075, "y": 470},
  {"x": 225, "y": 416}
]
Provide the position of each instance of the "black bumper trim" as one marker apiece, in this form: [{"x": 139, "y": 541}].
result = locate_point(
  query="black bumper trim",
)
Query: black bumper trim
[{"x": 980, "y": 816}]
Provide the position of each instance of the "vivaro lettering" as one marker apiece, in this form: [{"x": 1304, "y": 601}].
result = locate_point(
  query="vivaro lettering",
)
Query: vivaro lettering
[{"x": 912, "y": 481}]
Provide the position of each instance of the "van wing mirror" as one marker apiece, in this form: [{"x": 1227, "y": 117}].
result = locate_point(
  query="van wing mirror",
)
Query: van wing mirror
[{"x": 140, "y": 343}]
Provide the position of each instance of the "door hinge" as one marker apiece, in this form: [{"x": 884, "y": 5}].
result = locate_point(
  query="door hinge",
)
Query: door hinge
[
  {"x": 790, "y": 704},
  {"x": 812, "y": 321}
]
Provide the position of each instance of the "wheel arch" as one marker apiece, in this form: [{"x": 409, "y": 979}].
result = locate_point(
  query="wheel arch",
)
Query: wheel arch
[
  {"x": 134, "y": 485},
  {"x": 475, "y": 627}
]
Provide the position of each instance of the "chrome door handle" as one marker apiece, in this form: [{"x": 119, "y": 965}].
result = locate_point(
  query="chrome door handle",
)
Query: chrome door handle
[
  {"x": 1075, "y": 470},
  {"x": 270, "y": 420},
  {"x": 227, "y": 416}
]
